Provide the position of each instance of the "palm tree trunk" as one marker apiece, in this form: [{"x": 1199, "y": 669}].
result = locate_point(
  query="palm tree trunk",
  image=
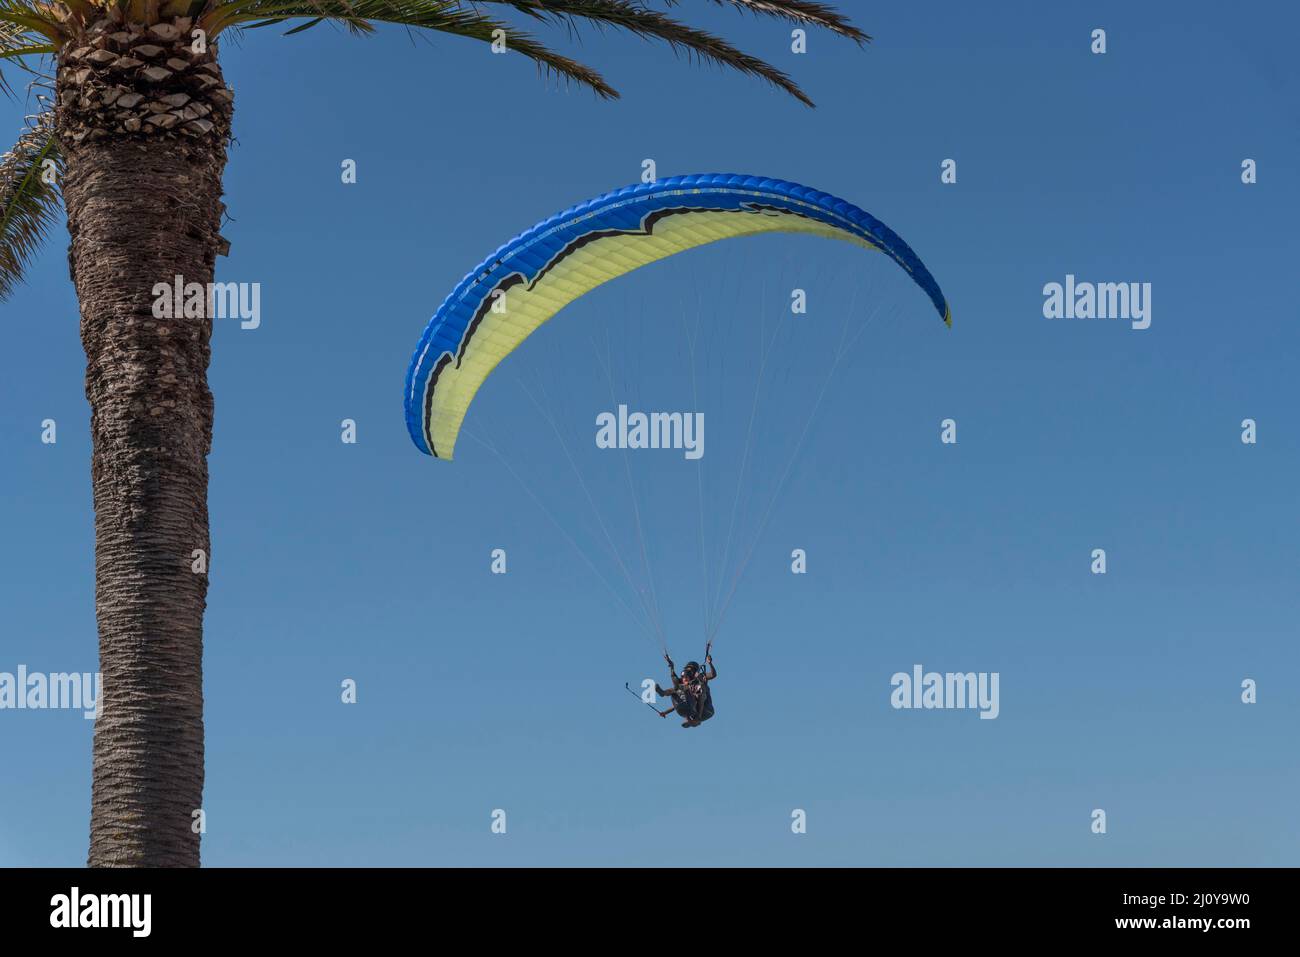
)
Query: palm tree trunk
[
  {"x": 143, "y": 208},
  {"x": 143, "y": 120}
]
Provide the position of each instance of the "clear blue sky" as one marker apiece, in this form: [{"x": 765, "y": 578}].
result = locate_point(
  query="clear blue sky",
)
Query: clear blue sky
[{"x": 479, "y": 692}]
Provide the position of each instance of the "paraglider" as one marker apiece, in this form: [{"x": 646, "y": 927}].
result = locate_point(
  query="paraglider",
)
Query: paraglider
[
  {"x": 528, "y": 280},
  {"x": 692, "y": 697},
  {"x": 535, "y": 275}
]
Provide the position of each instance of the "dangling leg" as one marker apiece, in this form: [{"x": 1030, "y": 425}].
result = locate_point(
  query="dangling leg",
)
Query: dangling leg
[
  {"x": 706, "y": 705},
  {"x": 686, "y": 709}
]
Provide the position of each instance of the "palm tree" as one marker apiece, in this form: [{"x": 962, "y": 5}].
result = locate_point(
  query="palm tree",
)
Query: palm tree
[{"x": 131, "y": 137}]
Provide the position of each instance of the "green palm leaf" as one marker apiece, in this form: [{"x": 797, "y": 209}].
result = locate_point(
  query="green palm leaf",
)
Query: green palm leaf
[
  {"x": 468, "y": 20},
  {"x": 636, "y": 18},
  {"x": 16, "y": 42},
  {"x": 437, "y": 15},
  {"x": 20, "y": 20},
  {"x": 29, "y": 205},
  {"x": 798, "y": 11}
]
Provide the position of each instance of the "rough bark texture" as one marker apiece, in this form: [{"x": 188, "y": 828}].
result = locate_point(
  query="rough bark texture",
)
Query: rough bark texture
[
  {"x": 126, "y": 80},
  {"x": 144, "y": 208}
]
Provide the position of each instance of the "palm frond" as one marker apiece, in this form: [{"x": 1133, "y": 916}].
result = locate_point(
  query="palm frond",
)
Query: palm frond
[
  {"x": 29, "y": 205},
  {"x": 10, "y": 35},
  {"x": 636, "y": 18},
  {"x": 37, "y": 49},
  {"x": 16, "y": 42},
  {"x": 798, "y": 11},
  {"x": 435, "y": 15},
  {"x": 22, "y": 20}
]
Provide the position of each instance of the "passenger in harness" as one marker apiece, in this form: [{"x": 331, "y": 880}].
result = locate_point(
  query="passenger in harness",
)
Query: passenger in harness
[{"x": 690, "y": 692}]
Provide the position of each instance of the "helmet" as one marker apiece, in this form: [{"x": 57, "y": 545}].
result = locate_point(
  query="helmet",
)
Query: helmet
[{"x": 691, "y": 667}]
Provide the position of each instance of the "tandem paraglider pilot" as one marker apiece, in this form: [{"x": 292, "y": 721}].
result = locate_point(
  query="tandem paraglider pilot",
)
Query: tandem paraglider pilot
[{"x": 690, "y": 692}]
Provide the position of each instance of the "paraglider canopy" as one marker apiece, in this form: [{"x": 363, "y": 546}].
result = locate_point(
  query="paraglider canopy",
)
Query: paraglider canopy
[{"x": 532, "y": 277}]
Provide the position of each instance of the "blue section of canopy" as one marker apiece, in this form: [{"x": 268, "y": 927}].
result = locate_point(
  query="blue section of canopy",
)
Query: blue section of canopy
[{"x": 625, "y": 210}]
